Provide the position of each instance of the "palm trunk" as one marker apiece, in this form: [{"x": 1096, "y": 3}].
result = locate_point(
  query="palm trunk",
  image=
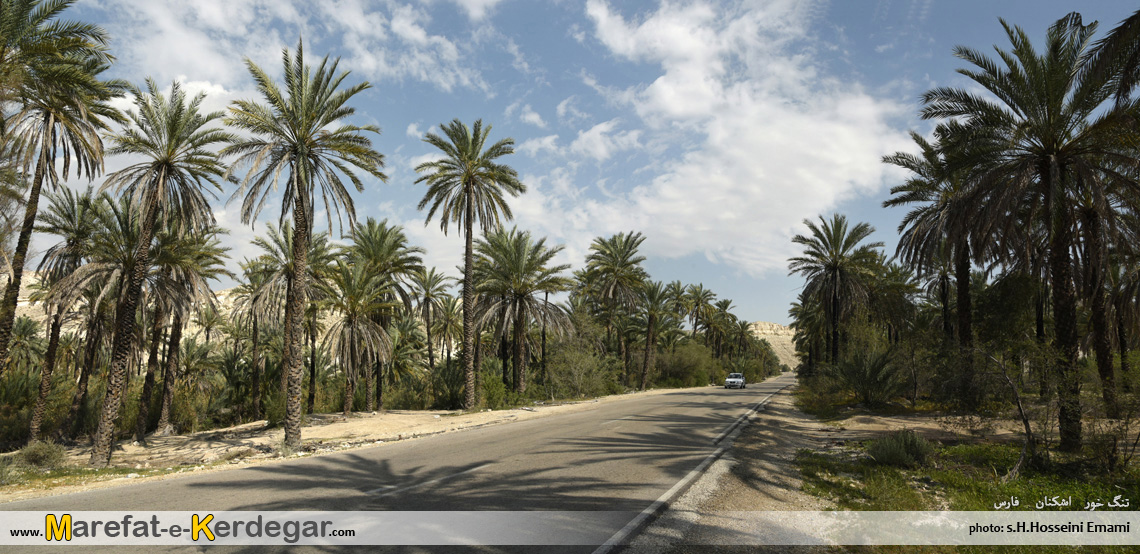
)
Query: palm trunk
[
  {"x": 311, "y": 401},
  {"x": 430, "y": 345},
  {"x": 123, "y": 341},
  {"x": 944, "y": 298},
  {"x": 520, "y": 340},
  {"x": 148, "y": 383},
  {"x": 1102, "y": 342},
  {"x": 369, "y": 393},
  {"x": 170, "y": 375},
  {"x": 545, "y": 308},
  {"x": 92, "y": 338},
  {"x": 965, "y": 329},
  {"x": 258, "y": 368},
  {"x": 1122, "y": 344},
  {"x": 504, "y": 359},
  {"x": 834, "y": 328},
  {"x": 12, "y": 293},
  {"x": 469, "y": 299},
  {"x": 1065, "y": 316},
  {"x": 350, "y": 381},
  {"x": 1043, "y": 369},
  {"x": 45, "y": 376},
  {"x": 294, "y": 311},
  {"x": 650, "y": 348}
]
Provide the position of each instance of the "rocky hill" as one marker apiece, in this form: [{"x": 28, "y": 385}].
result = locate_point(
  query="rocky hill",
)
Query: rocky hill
[{"x": 780, "y": 337}]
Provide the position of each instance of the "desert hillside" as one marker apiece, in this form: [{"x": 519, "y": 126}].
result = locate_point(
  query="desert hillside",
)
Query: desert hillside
[{"x": 780, "y": 337}]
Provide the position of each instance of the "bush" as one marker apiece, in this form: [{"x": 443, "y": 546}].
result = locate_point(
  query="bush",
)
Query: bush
[
  {"x": 870, "y": 375},
  {"x": 576, "y": 372},
  {"x": 45, "y": 455},
  {"x": 901, "y": 449},
  {"x": 691, "y": 365},
  {"x": 8, "y": 474}
]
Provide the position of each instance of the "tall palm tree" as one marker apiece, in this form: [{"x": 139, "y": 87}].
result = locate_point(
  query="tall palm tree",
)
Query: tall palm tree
[
  {"x": 614, "y": 276},
  {"x": 655, "y": 302},
  {"x": 513, "y": 269},
  {"x": 837, "y": 267},
  {"x": 251, "y": 308},
  {"x": 468, "y": 184},
  {"x": 430, "y": 288},
  {"x": 449, "y": 326},
  {"x": 175, "y": 140},
  {"x": 38, "y": 47},
  {"x": 299, "y": 133},
  {"x": 385, "y": 249},
  {"x": 1048, "y": 131},
  {"x": 355, "y": 339},
  {"x": 63, "y": 116},
  {"x": 699, "y": 301}
]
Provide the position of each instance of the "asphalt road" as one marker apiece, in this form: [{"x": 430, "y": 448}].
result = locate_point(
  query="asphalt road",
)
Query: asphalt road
[{"x": 619, "y": 456}]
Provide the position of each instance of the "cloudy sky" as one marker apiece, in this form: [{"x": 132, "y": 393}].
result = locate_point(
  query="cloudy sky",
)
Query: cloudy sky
[{"x": 713, "y": 128}]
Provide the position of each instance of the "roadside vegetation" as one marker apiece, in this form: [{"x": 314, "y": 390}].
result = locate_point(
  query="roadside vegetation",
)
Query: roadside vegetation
[
  {"x": 129, "y": 337},
  {"x": 1012, "y": 300}
]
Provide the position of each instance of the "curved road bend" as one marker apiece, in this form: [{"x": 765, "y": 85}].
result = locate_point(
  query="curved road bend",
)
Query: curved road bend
[{"x": 620, "y": 456}]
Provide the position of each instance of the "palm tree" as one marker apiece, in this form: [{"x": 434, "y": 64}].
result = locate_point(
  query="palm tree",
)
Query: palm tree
[
  {"x": 384, "y": 248},
  {"x": 614, "y": 276},
  {"x": 512, "y": 269},
  {"x": 699, "y": 301},
  {"x": 430, "y": 289},
  {"x": 184, "y": 263},
  {"x": 251, "y": 307},
  {"x": 355, "y": 339},
  {"x": 1048, "y": 131},
  {"x": 449, "y": 327},
  {"x": 468, "y": 184},
  {"x": 174, "y": 139},
  {"x": 655, "y": 301},
  {"x": 299, "y": 133},
  {"x": 836, "y": 267},
  {"x": 57, "y": 116},
  {"x": 207, "y": 320}
]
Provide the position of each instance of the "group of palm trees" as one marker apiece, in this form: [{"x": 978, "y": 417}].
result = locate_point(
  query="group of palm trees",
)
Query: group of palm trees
[
  {"x": 1031, "y": 176},
  {"x": 132, "y": 271}
]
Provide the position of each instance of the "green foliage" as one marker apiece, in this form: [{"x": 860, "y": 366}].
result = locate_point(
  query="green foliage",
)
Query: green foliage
[
  {"x": 576, "y": 372},
  {"x": 870, "y": 375},
  {"x": 43, "y": 455},
  {"x": 692, "y": 365},
  {"x": 900, "y": 449}
]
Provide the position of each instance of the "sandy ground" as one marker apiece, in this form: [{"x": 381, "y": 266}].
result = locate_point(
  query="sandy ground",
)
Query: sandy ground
[
  {"x": 254, "y": 443},
  {"x": 758, "y": 475}
]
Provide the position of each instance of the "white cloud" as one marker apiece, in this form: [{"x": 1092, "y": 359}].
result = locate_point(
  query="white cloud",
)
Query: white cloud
[
  {"x": 746, "y": 136},
  {"x": 413, "y": 131},
  {"x": 567, "y": 112},
  {"x": 532, "y": 147},
  {"x": 477, "y": 9},
  {"x": 528, "y": 115},
  {"x": 600, "y": 142}
]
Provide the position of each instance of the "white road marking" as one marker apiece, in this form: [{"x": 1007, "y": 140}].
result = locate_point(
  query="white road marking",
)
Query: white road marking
[
  {"x": 624, "y": 533},
  {"x": 424, "y": 484}
]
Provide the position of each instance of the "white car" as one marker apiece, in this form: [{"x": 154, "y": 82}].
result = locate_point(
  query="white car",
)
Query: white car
[{"x": 735, "y": 381}]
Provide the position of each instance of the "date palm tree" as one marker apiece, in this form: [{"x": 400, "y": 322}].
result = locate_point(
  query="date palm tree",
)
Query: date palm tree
[
  {"x": 430, "y": 289},
  {"x": 1048, "y": 131},
  {"x": 655, "y": 302},
  {"x": 174, "y": 140},
  {"x": 57, "y": 117},
  {"x": 837, "y": 265},
  {"x": 468, "y": 184},
  {"x": 513, "y": 270},
  {"x": 299, "y": 133},
  {"x": 355, "y": 340}
]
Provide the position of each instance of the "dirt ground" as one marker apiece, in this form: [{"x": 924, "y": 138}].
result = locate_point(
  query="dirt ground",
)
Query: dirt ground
[{"x": 757, "y": 474}]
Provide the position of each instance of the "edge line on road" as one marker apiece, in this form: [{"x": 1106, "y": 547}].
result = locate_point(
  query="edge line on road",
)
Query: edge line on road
[{"x": 654, "y": 509}]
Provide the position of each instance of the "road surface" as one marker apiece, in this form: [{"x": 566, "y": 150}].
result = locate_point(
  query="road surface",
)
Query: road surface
[{"x": 620, "y": 456}]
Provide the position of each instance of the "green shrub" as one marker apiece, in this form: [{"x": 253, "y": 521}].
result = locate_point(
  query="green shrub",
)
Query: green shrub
[
  {"x": 691, "y": 365},
  {"x": 42, "y": 454},
  {"x": 576, "y": 372},
  {"x": 8, "y": 474},
  {"x": 869, "y": 374},
  {"x": 901, "y": 449}
]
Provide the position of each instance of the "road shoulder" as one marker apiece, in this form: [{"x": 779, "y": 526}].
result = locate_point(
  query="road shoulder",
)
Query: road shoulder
[{"x": 756, "y": 474}]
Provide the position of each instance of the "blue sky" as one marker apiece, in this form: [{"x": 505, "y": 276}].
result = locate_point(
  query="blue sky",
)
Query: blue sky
[{"x": 714, "y": 128}]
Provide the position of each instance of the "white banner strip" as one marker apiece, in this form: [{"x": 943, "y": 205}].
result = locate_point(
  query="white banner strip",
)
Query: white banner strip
[{"x": 563, "y": 528}]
